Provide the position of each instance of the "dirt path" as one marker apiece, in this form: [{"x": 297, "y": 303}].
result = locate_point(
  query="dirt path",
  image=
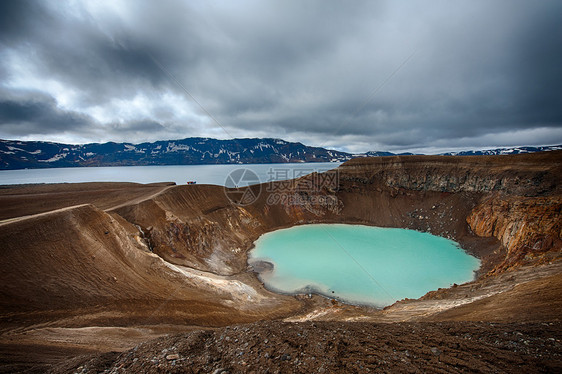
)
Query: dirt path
[
  {"x": 22, "y": 218},
  {"x": 26, "y": 200},
  {"x": 139, "y": 199}
]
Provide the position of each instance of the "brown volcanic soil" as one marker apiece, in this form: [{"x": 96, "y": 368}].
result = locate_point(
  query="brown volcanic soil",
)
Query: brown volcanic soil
[
  {"x": 335, "y": 347},
  {"x": 100, "y": 267},
  {"x": 23, "y": 200},
  {"x": 529, "y": 301}
]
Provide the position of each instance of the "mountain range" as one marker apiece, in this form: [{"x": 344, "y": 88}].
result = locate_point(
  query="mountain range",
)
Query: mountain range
[
  {"x": 505, "y": 151},
  {"x": 16, "y": 154}
]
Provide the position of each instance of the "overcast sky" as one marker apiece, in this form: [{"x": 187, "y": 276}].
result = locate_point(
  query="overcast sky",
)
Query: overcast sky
[{"x": 421, "y": 76}]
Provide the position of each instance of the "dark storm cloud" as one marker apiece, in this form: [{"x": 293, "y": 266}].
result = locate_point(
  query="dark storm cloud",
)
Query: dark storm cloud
[
  {"x": 38, "y": 114},
  {"x": 15, "y": 18},
  {"x": 137, "y": 126},
  {"x": 537, "y": 69},
  {"x": 359, "y": 76}
]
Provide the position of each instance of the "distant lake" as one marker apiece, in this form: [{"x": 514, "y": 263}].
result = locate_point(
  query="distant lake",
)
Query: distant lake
[{"x": 180, "y": 174}]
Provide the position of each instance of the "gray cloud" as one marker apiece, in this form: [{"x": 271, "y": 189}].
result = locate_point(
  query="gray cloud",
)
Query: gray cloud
[
  {"x": 38, "y": 115},
  {"x": 137, "y": 127},
  {"x": 483, "y": 74}
]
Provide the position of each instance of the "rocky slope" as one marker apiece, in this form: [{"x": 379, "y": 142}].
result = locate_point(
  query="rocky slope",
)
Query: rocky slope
[
  {"x": 332, "y": 347},
  {"x": 81, "y": 257},
  {"x": 528, "y": 227}
]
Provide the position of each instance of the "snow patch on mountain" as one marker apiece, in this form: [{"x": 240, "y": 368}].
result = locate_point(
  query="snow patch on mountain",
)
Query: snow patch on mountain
[
  {"x": 56, "y": 157},
  {"x": 173, "y": 147}
]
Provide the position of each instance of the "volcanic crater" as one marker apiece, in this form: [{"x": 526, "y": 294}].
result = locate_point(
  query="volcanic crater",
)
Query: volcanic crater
[{"x": 89, "y": 271}]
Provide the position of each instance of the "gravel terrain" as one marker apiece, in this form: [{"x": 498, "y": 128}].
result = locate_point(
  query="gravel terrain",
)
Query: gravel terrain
[{"x": 338, "y": 347}]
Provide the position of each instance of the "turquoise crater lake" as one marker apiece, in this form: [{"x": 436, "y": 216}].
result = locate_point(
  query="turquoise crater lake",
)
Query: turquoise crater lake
[{"x": 359, "y": 264}]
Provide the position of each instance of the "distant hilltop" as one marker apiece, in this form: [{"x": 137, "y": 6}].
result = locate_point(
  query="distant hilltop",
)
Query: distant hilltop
[
  {"x": 505, "y": 151},
  {"x": 190, "y": 151}
]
